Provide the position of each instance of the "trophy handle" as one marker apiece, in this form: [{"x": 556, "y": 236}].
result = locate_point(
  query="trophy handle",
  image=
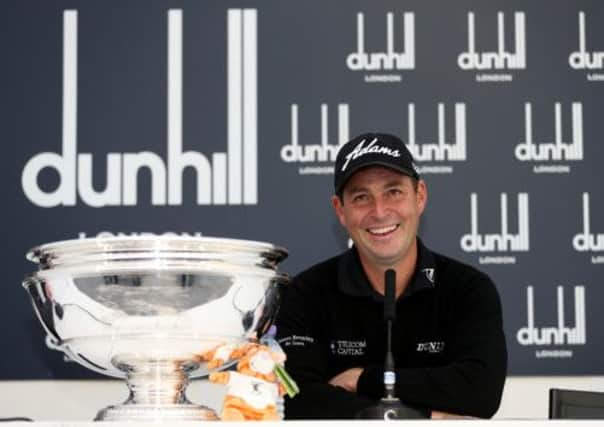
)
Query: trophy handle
[
  {"x": 53, "y": 343},
  {"x": 43, "y": 306}
]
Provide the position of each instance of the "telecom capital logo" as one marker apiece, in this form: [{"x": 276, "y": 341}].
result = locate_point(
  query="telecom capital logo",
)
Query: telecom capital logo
[
  {"x": 503, "y": 242},
  {"x": 557, "y": 150},
  {"x": 586, "y": 241},
  {"x": 500, "y": 60},
  {"x": 584, "y": 60},
  {"x": 316, "y": 159},
  {"x": 235, "y": 170},
  {"x": 390, "y": 60},
  {"x": 558, "y": 335},
  {"x": 443, "y": 150}
]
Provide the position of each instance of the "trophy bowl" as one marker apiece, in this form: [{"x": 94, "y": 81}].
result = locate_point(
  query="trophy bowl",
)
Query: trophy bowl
[{"x": 148, "y": 308}]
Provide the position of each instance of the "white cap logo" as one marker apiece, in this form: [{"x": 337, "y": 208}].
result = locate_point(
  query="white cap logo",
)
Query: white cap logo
[{"x": 372, "y": 147}]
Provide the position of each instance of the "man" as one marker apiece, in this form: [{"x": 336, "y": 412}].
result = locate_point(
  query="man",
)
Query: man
[{"x": 448, "y": 342}]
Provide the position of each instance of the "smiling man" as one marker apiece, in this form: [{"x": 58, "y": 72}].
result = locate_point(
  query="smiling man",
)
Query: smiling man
[{"x": 448, "y": 342}]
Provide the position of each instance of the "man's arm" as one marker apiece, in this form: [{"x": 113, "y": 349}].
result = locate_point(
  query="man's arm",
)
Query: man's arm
[
  {"x": 300, "y": 331},
  {"x": 348, "y": 379},
  {"x": 472, "y": 383}
]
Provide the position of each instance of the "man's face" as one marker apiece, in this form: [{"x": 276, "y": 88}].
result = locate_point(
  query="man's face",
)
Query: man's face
[{"x": 380, "y": 208}]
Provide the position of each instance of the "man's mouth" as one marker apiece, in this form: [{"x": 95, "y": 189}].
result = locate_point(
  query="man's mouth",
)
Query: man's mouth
[{"x": 382, "y": 231}]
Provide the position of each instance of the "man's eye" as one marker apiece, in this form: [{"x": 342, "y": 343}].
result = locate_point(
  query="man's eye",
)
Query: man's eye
[
  {"x": 359, "y": 198},
  {"x": 395, "y": 192}
]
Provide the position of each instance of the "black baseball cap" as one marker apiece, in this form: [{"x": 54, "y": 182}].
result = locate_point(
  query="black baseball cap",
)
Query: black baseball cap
[{"x": 372, "y": 149}]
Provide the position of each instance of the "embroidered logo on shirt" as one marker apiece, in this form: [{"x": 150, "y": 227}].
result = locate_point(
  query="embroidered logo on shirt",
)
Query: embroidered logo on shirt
[
  {"x": 429, "y": 272},
  {"x": 348, "y": 348},
  {"x": 296, "y": 341},
  {"x": 430, "y": 347}
]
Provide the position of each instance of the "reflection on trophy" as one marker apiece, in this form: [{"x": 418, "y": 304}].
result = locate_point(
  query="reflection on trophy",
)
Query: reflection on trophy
[{"x": 146, "y": 309}]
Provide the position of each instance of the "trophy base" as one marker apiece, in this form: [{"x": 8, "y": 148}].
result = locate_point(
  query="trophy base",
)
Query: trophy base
[
  {"x": 157, "y": 391},
  {"x": 175, "y": 412}
]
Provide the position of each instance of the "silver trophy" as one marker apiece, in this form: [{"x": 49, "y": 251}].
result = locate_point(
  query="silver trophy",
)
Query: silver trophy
[{"x": 147, "y": 309}]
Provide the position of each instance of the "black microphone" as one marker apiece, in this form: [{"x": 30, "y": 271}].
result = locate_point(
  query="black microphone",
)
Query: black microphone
[
  {"x": 390, "y": 295},
  {"x": 389, "y": 317},
  {"x": 390, "y": 407}
]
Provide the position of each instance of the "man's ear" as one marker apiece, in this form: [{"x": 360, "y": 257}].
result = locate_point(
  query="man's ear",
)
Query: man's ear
[
  {"x": 338, "y": 208},
  {"x": 422, "y": 195}
]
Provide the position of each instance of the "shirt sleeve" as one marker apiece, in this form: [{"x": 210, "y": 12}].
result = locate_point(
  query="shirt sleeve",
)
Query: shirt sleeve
[
  {"x": 299, "y": 331},
  {"x": 472, "y": 382}
]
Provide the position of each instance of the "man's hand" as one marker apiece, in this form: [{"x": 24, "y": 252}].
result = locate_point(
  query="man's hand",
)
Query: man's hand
[
  {"x": 348, "y": 379},
  {"x": 438, "y": 415}
]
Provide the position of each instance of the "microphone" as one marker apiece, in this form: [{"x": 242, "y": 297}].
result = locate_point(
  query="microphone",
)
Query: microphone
[
  {"x": 389, "y": 295},
  {"x": 390, "y": 407},
  {"x": 389, "y": 317}
]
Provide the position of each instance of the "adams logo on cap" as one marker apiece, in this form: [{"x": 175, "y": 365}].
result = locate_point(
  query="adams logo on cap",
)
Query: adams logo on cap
[{"x": 371, "y": 148}]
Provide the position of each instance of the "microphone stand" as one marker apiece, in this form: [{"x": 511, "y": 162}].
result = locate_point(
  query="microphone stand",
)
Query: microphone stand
[{"x": 390, "y": 407}]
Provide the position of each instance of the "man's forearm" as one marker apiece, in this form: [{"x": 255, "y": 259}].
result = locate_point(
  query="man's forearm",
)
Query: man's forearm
[
  {"x": 324, "y": 401},
  {"x": 455, "y": 389}
]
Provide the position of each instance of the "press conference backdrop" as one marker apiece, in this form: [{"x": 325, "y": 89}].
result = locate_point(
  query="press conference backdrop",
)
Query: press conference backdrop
[{"x": 223, "y": 118}]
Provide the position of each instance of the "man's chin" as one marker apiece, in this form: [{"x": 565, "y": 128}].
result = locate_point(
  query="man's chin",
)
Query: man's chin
[{"x": 385, "y": 259}]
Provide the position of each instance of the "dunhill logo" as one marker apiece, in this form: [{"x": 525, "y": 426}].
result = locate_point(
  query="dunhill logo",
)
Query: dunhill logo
[
  {"x": 555, "y": 335},
  {"x": 430, "y": 347},
  {"x": 501, "y": 59},
  {"x": 238, "y": 167},
  {"x": 323, "y": 152},
  {"x": 505, "y": 241},
  {"x": 442, "y": 150},
  {"x": 587, "y": 241},
  {"x": 389, "y": 60},
  {"x": 582, "y": 59},
  {"x": 557, "y": 150}
]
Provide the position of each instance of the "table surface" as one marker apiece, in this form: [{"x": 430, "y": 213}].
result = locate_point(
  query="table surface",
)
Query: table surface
[{"x": 329, "y": 423}]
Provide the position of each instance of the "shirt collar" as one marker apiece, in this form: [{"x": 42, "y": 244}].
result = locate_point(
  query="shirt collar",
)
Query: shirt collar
[{"x": 353, "y": 281}]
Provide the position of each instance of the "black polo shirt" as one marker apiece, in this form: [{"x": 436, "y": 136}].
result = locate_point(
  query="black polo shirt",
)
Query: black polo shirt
[{"x": 448, "y": 341}]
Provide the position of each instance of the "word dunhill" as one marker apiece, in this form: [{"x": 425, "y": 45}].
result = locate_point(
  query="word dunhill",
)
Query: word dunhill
[{"x": 237, "y": 168}]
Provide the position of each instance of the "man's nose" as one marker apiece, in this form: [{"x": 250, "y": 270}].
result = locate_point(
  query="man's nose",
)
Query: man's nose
[{"x": 380, "y": 207}]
